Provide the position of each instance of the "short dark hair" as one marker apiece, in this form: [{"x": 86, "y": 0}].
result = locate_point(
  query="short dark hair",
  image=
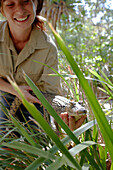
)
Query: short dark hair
[
  {"x": 38, "y": 22},
  {"x": 39, "y": 6}
]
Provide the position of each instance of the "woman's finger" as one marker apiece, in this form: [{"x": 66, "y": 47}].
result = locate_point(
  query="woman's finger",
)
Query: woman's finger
[
  {"x": 80, "y": 121},
  {"x": 64, "y": 116},
  {"x": 76, "y": 124},
  {"x": 72, "y": 123}
]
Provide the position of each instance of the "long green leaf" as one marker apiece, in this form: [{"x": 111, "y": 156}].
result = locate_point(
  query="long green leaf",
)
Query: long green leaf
[
  {"x": 7, "y": 134},
  {"x": 99, "y": 114},
  {"x": 30, "y": 149},
  {"x": 45, "y": 126},
  {"x": 103, "y": 82},
  {"x": 57, "y": 117},
  {"x": 75, "y": 150},
  {"x": 23, "y": 131},
  {"x": 108, "y": 80},
  {"x": 35, "y": 164},
  {"x": 58, "y": 74}
]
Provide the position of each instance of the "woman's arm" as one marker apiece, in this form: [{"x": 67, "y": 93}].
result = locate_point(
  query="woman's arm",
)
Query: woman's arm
[{"x": 7, "y": 87}]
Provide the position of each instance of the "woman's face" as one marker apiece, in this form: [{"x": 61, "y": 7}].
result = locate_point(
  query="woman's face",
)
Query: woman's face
[{"x": 20, "y": 14}]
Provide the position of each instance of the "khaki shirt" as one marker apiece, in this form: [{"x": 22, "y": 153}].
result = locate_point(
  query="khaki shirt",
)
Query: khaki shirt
[{"x": 40, "y": 48}]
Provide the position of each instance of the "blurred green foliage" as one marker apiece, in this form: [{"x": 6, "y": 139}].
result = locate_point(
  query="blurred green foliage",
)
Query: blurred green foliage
[{"x": 88, "y": 35}]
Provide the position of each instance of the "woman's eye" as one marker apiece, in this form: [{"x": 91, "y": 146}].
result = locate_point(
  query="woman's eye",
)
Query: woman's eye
[
  {"x": 10, "y": 5},
  {"x": 26, "y": 1}
]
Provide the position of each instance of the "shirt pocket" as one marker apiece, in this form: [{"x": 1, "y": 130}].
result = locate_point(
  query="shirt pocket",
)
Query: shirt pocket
[{"x": 19, "y": 76}]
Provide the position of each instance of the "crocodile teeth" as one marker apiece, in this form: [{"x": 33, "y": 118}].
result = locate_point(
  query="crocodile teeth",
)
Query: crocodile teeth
[{"x": 21, "y": 19}]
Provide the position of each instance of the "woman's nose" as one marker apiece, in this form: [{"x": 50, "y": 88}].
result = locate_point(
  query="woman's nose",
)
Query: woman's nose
[{"x": 20, "y": 8}]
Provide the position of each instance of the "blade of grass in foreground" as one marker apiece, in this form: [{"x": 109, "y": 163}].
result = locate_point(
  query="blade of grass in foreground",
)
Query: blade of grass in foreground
[
  {"x": 58, "y": 74},
  {"x": 45, "y": 126},
  {"x": 36, "y": 163},
  {"x": 99, "y": 114},
  {"x": 23, "y": 131},
  {"x": 30, "y": 149},
  {"x": 57, "y": 118},
  {"x": 75, "y": 150}
]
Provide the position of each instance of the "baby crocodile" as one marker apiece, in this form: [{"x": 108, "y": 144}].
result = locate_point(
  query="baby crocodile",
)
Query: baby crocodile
[
  {"x": 62, "y": 104},
  {"x": 59, "y": 103}
]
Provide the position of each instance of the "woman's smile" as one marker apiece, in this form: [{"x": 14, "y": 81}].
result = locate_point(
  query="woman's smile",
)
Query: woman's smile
[
  {"x": 20, "y": 14},
  {"x": 22, "y": 19}
]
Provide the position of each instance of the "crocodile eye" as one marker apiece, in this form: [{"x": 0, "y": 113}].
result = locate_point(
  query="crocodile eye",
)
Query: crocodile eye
[{"x": 73, "y": 103}]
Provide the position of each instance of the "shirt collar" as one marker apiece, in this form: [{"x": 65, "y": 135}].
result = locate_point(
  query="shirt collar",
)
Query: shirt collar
[
  {"x": 36, "y": 43},
  {"x": 37, "y": 39},
  {"x": 4, "y": 32}
]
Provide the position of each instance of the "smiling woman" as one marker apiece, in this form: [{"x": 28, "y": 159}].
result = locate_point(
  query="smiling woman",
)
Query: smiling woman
[
  {"x": 22, "y": 40},
  {"x": 20, "y": 17}
]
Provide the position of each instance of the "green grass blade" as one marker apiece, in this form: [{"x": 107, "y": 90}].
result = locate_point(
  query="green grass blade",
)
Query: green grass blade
[
  {"x": 56, "y": 117},
  {"x": 23, "y": 131},
  {"x": 36, "y": 163},
  {"x": 1, "y": 139},
  {"x": 108, "y": 80},
  {"x": 103, "y": 82},
  {"x": 65, "y": 141},
  {"x": 99, "y": 114},
  {"x": 103, "y": 156},
  {"x": 30, "y": 149},
  {"x": 45, "y": 126},
  {"x": 75, "y": 150},
  {"x": 58, "y": 74},
  {"x": 57, "y": 164},
  {"x": 78, "y": 148},
  {"x": 50, "y": 109}
]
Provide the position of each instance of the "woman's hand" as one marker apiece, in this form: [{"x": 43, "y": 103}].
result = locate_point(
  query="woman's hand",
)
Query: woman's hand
[
  {"x": 70, "y": 120},
  {"x": 7, "y": 87},
  {"x": 29, "y": 97}
]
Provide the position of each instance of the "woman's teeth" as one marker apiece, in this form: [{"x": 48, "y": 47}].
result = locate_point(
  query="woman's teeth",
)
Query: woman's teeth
[{"x": 22, "y": 19}]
